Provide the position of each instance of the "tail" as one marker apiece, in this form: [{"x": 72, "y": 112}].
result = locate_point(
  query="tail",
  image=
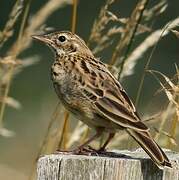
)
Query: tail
[{"x": 145, "y": 140}]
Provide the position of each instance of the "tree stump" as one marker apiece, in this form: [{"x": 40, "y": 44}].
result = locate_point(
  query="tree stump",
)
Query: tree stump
[{"x": 115, "y": 165}]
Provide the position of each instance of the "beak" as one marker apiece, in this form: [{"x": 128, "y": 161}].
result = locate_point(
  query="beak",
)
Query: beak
[{"x": 42, "y": 38}]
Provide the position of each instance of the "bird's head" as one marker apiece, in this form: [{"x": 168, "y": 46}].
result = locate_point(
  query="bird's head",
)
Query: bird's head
[{"x": 64, "y": 43}]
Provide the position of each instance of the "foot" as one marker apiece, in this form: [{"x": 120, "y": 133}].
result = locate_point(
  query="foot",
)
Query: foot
[
  {"x": 102, "y": 149},
  {"x": 77, "y": 151},
  {"x": 84, "y": 150}
]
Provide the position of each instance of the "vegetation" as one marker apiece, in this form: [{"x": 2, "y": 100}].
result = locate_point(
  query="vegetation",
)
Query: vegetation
[{"x": 129, "y": 40}]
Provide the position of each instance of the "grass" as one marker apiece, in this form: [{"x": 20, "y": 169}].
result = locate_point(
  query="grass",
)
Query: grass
[{"x": 108, "y": 31}]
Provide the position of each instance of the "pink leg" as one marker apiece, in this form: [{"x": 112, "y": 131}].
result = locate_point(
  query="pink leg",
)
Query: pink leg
[
  {"x": 80, "y": 149},
  {"x": 98, "y": 134},
  {"x": 111, "y": 135}
]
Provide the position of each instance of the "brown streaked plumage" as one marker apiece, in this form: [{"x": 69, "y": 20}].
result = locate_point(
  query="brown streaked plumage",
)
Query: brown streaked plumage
[{"x": 88, "y": 89}]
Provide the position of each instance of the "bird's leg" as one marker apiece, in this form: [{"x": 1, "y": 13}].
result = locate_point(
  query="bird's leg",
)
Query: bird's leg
[
  {"x": 82, "y": 150},
  {"x": 81, "y": 147},
  {"x": 111, "y": 135}
]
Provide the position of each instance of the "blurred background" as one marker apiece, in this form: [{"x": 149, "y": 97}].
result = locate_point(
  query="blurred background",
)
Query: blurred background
[{"x": 32, "y": 88}]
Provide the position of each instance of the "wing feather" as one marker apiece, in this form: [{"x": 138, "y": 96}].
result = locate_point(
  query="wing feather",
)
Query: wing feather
[
  {"x": 111, "y": 100},
  {"x": 118, "y": 114}
]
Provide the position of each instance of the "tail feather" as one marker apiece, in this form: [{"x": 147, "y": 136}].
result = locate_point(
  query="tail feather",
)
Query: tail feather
[{"x": 145, "y": 140}]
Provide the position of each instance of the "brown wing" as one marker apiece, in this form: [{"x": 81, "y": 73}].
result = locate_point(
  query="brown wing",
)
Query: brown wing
[
  {"x": 118, "y": 111},
  {"x": 111, "y": 101}
]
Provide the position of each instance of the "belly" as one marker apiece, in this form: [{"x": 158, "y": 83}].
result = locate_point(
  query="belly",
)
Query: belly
[{"x": 75, "y": 102}]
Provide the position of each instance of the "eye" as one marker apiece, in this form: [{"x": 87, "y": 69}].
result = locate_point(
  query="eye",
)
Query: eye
[{"x": 61, "y": 38}]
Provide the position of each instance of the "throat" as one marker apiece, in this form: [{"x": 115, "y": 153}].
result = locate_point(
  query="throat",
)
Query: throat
[{"x": 59, "y": 53}]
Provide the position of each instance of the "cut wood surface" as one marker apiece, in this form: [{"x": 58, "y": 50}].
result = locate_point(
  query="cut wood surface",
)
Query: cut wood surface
[{"x": 115, "y": 165}]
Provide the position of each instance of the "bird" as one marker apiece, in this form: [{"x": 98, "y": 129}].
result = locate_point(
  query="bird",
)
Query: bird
[{"x": 87, "y": 89}]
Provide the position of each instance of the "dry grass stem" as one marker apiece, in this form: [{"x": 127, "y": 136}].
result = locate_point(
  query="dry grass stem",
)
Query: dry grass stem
[
  {"x": 156, "y": 10},
  {"x": 129, "y": 31},
  {"x": 64, "y": 134},
  {"x": 163, "y": 32},
  {"x": 35, "y": 22},
  {"x": 11, "y": 102},
  {"x": 173, "y": 131},
  {"x": 101, "y": 35},
  {"x": 137, "y": 53},
  {"x": 74, "y": 16},
  {"x": 77, "y": 134},
  {"x": 10, "y": 71},
  {"x": 6, "y": 133},
  {"x": 106, "y": 40},
  {"x": 117, "y": 139},
  {"x": 24, "y": 40},
  {"x": 47, "y": 140},
  {"x": 176, "y": 33},
  {"x": 101, "y": 22},
  {"x": 13, "y": 17},
  {"x": 55, "y": 116},
  {"x": 172, "y": 95}
]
